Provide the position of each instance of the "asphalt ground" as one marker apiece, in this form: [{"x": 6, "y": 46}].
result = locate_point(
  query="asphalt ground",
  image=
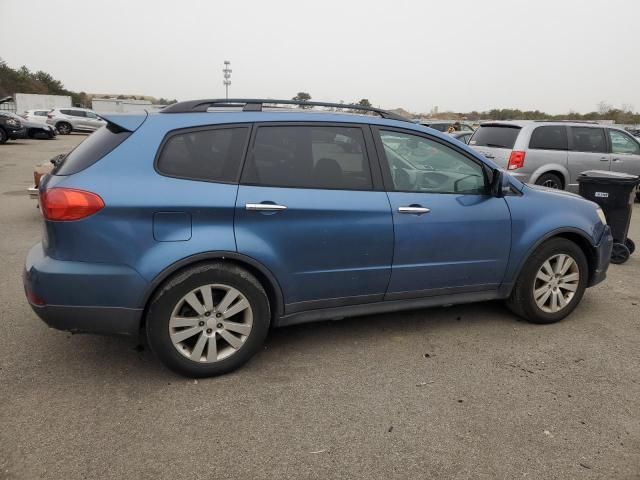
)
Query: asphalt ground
[{"x": 461, "y": 392}]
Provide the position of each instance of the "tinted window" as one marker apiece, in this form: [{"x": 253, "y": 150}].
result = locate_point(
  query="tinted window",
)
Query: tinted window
[
  {"x": 587, "y": 139},
  {"x": 552, "y": 137},
  {"x": 622, "y": 143},
  {"x": 417, "y": 164},
  {"x": 212, "y": 155},
  {"x": 92, "y": 149},
  {"x": 495, "y": 136},
  {"x": 40, "y": 113},
  {"x": 90, "y": 114},
  {"x": 309, "y": 157}
]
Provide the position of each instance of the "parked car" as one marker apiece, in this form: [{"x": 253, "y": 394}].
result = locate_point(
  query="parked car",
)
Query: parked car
[
  {"x": 11, "y": 128},
  {"x": 206, "y": 228},
  {"x": 463, "y": 136},
  {"x": 67, "y": 120},
  {"x": 37, "y": 116},
  {"x": 33, "y": 129},
  {"x": 553, "y": 154},
  {"x": 444, "y": 126}
]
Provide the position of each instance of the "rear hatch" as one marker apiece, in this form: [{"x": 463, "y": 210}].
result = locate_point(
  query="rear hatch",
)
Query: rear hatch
[{"x": 495, "y": 141}]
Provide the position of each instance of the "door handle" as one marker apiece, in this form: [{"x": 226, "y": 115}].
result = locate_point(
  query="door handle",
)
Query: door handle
[
  {"x": 414, "y": 210},
  {"x": 265, "y": 207},
  {"x": 618, "y": 160},
  {"x": 604, "y": 159}
]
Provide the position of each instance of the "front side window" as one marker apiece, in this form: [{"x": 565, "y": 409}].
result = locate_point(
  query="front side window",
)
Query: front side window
[
  {"x": 417, "y": 164},
  {"x": 622, "y": 143},
  {"x": 588, "y": 139},
  {"x": 551, "y": 137},
  {"x": 213, "y": 155},
  {"x": 322, "y": 157}
]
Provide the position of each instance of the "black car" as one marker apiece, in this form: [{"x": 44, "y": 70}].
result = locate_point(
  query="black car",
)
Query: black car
[{"x": 11, "y": 127}]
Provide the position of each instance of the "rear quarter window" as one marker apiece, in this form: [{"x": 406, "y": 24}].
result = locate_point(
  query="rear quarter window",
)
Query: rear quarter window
[
  {"x": 501, "y": 136},
  {"x": 212, "y": 155},
  {"x": 92, "y": 149}
]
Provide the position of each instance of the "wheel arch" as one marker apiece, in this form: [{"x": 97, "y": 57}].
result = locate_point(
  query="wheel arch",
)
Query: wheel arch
[
  {"x": 262, "y": 273},
  {"x": 575, "y": 235}
]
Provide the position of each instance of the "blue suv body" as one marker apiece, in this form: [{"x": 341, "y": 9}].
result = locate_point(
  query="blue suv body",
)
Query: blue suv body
[{"x": 205, "y": 228}]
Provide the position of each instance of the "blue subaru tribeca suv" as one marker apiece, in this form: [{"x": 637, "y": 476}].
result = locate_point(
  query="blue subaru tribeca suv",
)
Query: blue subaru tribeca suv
[{"x": 207, "y": 223}]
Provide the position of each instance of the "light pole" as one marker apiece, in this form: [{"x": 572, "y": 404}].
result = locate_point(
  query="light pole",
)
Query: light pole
[{"x": 226, "y": 73}]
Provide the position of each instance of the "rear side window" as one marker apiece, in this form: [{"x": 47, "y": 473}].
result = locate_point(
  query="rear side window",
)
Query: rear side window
[
  {"x": 212, "y": 155},
  {"x": 66, "y": 112},
  {"x": 495, "y": 136},
  {"x": 587, "y": 139},
  {"x": 40, "y": 113},
  {"x": 320, "y": 157},
  {"x": 92, "y": 149},
  {"x": 552, "y": 137}
]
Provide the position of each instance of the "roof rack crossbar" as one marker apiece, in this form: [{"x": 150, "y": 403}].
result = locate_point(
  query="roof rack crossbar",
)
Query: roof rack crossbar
[{"x": 256, "y": 104}]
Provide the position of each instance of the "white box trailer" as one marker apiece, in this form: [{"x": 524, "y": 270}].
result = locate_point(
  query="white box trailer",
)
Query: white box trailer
[{"x": 34, "y": 101}]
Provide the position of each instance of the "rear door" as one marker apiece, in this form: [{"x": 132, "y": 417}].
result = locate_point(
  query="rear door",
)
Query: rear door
[
  {"x": 495, "y": 141},
  {"x": 588, "y": 150},
  {"x": 312, "y": 210},
  {"x": 547, "y": 150},
  {"x": 93, "y": 121},
  {"x": 451, "y": 235},
  {"x": 625, "y": 152}
]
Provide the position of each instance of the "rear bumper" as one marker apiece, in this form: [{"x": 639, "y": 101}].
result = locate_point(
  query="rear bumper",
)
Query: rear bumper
[
  {"x": 603, "y": 257},
  {"x": 84, "y": 297}
]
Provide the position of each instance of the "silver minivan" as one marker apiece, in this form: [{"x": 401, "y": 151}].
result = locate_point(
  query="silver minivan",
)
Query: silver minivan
[{"x": 553, "y": 154}]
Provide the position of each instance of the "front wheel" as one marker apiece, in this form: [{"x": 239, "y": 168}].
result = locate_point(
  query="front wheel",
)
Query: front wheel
[
  {"x": 208, "y": 320},
  {"x": 551, "y": 283},
  {"x": 3, "y": 136}
]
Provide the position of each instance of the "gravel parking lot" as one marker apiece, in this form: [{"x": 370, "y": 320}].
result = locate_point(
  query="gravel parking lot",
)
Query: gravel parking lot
[{"x": 461, "y": 392}]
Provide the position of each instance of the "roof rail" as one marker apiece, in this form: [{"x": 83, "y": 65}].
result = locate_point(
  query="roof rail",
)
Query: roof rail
[
  {"x": 570, "y": 121},
  {"x": 256, "y": 104}
]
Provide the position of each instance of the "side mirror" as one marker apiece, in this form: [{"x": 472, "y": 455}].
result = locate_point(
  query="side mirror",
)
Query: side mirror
[{"x": 500, "y": 185}]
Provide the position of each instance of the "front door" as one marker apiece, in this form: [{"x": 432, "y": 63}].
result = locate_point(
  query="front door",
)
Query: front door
[
  {"x": 625, "y": 152},
  {"x": 451, "y": 236},
  {"x": 308, "y": 211},
  {"x": 588, "y": 151}
]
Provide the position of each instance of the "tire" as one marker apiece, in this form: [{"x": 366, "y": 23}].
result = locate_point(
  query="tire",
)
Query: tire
[
  {"x": 64, "y": 128},
  {"x": 620, "y": 253},
  {"x": 550, "y": 180},
  {"x": 170, "y": 301},
  {"x": 3, "y": 136},
  {"x": 522, "y": 300},
  {"x": 630, "y": 244}
]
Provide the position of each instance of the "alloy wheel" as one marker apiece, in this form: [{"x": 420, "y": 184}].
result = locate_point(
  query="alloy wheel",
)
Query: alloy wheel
[
  {"x": 551, "y": 184},
  {"x": 556, "y": 283},
  {"x": 210, "y": 323}
]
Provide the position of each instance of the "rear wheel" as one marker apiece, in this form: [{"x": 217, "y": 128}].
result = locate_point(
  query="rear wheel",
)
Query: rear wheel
[
  {"x": 3, "y": 136},
  {"x": 550, "y": 180},
  {"x": 208, "y": 320},
  {"x": 64, "y": 128},
  {"x": 620, "y": 253},
  {"x": 551, "y": 283},
  {"x": 630, "y": 244}
]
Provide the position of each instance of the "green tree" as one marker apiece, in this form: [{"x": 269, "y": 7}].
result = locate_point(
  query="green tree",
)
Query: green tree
[
  {"x": 302, "y": 97},
  {"x": 364, "y": 103}
]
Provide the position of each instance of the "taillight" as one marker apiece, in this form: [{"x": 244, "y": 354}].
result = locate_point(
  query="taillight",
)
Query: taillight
[
  {"x": 49, "y": 115},
  {"x": 516, "y": 160},
  {"x": 67, "y": 204}
]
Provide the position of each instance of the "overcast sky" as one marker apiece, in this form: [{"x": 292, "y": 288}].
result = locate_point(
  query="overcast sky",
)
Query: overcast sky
[{"x": 462, "y": 55}]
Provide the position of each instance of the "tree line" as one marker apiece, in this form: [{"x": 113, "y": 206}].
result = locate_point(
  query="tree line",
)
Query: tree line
[{"x": 23, "y": 80}]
